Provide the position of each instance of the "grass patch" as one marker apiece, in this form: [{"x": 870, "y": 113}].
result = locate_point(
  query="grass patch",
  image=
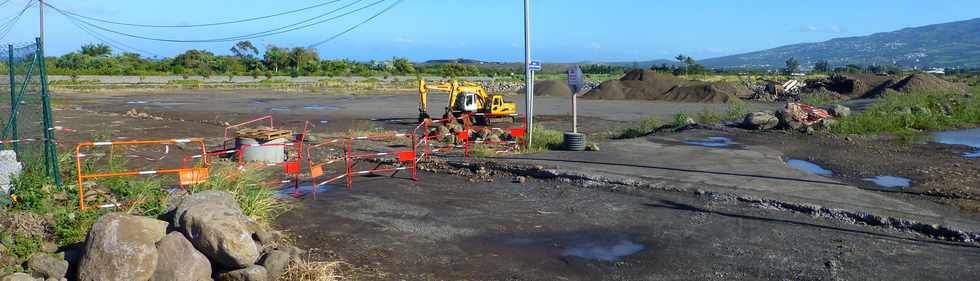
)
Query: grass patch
[
  {"x": 647, "y": 126},
  {"x": 74, "y": 82},
  {"x": 480, "y": 150},
  {"x": 192, "y": 82},
  {"x": 250, "y": 188},
  {"x": 306, "y": 270},
  {"x": 681, "y": 119},
  {"x": 546, "y": 139},
  {"x": 909, "y": 114}
]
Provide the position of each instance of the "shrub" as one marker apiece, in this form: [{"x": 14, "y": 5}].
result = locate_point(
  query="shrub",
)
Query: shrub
[
  {"x": 913, "y": 113},
  {"x": 647, "y": 126},
  {"x": 546, "y": 139}
]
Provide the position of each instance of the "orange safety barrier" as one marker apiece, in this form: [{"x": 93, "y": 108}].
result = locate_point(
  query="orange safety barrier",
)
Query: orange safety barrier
[
  {"x": 186, "y": 176},
  {"x": 290, "y": 167},
  {"x": 406, "y": 159},
  {"x": 317, "y": 167},
  {"x": 272, "y": 124},
  {"x": 464, "y": 138}
]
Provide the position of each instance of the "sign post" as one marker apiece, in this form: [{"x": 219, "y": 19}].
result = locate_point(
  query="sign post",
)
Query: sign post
[
  {"x": 575, "y": 83},
  {"x": 528, "y": 75}
]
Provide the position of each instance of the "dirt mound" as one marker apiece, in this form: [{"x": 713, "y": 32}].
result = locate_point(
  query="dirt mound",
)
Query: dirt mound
[
  {"x": 926, "y": 83},
  {"x": 651, "y": 85},
  {"x": 550, "y": 88},
  {"x": 876, "y": 86}
]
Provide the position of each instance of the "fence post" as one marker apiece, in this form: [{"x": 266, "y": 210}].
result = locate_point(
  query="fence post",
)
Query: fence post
[
  {"x": 50, "y": 149},
  {"x": 13, "y": 94}
]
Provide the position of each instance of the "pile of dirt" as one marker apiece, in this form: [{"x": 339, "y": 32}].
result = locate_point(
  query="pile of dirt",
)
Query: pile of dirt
[
  {"x": 651, "y": 85},
  {"x": 921, "y": 82},
  {"x": 550, "y": 88},
  {"x": 876, "y": 86}
]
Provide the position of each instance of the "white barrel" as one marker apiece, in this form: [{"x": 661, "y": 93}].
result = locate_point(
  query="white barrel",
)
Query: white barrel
[{"x": 271, "y": 154}]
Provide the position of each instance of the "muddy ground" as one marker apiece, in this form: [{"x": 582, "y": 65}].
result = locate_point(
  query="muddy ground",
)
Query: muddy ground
[{"x": 447, "y": 227}]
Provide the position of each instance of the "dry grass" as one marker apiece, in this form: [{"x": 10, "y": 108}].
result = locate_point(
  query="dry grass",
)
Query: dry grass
[{"x": 305, "y": 270}]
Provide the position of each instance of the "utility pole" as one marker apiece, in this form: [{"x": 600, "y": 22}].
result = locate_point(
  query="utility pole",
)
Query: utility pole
[
  {"x": 40, "y": 6},
  {"x": 528, "y": 74}
]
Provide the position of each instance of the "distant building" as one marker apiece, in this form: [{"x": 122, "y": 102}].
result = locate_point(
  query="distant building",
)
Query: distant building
[{"x": 940, "y": 71}]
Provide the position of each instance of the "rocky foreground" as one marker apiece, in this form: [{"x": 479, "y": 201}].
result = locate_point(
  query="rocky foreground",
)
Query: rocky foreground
[{"x": 207, "y": 238}]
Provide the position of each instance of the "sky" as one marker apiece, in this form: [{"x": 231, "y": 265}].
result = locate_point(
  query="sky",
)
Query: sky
[{"x": 492, "y": 30}]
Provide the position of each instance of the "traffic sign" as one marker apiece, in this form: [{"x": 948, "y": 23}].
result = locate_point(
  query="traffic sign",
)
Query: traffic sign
[
  {"x": 534, "y": 65},
  {"x": 575, "y": 79}
]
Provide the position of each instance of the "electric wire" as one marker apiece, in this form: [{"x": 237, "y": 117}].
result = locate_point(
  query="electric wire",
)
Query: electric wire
[
  {"x": 9, "y": 25},
  {"x": 335, "y": 36},
  {"x": 203, "y": 24},
  {"x": 234, "y": 38},
  {"x": 109, "y": 41}
]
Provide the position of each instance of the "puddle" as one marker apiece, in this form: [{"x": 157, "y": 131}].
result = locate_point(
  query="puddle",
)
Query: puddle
[
  {"x": 155, "y": 103},
  {"x": 320, "y": 107},
  {"x": 597, "y": 247},
  {"x": 890, "y": 182},
  {"x": 968, "y": 137},
  {"x": 809, "y": 167},
  {"x": 278, "y": 109},
  {"x": 711, "y": 142},
  {"x": 287, "y": 191},
  {"x": 603, "y": 250}
]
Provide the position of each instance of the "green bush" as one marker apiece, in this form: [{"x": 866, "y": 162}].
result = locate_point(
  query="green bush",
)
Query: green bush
[
  {"x": 546, "y": 139},
  {"x": 647, "y": 126},
  {"x": 680, "y": 119},
  {"x": 912, "y": 114}
]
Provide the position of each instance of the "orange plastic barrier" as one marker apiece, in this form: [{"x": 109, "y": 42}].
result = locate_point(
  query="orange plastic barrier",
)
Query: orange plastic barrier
[{"x": 186, "y": 176}]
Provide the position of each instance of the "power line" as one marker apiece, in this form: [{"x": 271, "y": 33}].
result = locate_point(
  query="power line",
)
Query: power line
[
  {"x": 107, "y": 40},
  {"x": 4, "y": 3},
  {"x": 331, "y": 38},
  {"x": 234, "y": 38},
  {"x": 9, "y": 25},
  {"x": 203, "y": 24}
]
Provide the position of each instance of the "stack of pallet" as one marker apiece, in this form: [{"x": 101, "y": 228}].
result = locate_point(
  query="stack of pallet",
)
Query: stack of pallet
[{"x": 264, "y": 134}]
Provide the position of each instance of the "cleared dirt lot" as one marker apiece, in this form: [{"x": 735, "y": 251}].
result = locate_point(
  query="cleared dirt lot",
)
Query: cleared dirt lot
[{"x": 677, "y": 225}]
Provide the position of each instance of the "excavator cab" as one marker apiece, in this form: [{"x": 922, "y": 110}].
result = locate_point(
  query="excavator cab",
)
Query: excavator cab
[{"x": 468, "y": 101}]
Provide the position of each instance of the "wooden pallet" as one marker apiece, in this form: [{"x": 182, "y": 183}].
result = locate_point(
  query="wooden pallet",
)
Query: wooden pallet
[{"x": 263, "y": 134}]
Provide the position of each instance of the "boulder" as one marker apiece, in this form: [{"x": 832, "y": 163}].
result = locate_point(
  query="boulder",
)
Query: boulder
[
  {"x": 760, "y": 121},
  {"x": 786, "y": 120},
  {"x": 275, "y": 263},
  {"x": 180, "y": 261},
  {"x": 251, "y": 273},
  {"x": 121, "y": 247},
  {"x": 214, "y": 223},
  {"x": 46, "y": 266},
  {"x": 16, "y": 277},
  {"x": 838, "y": 111}
]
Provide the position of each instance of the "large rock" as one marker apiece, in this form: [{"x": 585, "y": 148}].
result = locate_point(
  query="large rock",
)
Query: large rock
[
  {"x": 760, "y": 121},
  {"x": 214, "y": 223},
  {"x": 179, "y": 260},
  {"x": 838, "y": 111},
  {"x": 251, "y": 273},
  {"x": 9, "y": 169},
  {"x": 121, "y": 247},
  {"x": 275, "y": 263},
  {"x": 16, "y": 277},
  {"x": 46, "y": 266}
]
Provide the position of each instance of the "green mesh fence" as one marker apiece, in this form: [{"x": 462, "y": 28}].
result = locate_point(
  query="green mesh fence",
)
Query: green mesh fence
[{"x": 25, "y": 109}]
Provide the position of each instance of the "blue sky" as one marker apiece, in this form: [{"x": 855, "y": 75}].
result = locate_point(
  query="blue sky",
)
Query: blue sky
[{"x": 564, "y": 30}]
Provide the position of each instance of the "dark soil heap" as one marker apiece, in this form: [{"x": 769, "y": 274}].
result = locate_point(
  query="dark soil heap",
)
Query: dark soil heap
[
  {"x": 550, "y": 88},
  {"x": 650, "y": 85},
  {"x": 876, "y": 86}
]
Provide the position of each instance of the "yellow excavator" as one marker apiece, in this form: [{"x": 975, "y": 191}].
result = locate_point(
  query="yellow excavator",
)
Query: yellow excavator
[{"x": 467, "y": 98}]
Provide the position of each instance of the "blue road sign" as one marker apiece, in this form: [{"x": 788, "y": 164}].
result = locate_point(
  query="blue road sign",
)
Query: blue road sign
[{"x": 534, "y": 65}]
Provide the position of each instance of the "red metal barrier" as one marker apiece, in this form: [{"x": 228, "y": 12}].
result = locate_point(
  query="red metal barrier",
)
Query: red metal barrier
[
  {"x": 272, "y": 124},
  {"x": 186, "y": 176}
]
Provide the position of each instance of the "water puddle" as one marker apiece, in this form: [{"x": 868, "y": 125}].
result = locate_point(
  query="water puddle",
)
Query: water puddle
[
  {"x": 890, "y": 182},
  {"x": 603, "y": 250},
  {"x": 711, "y": 142},
  {"x": 809, "y": 167},
  {"x": 288, "y": 191},
  {"x": 597, "y": 247},
  {"x": 155, "y": 103},
  {"x": 968, "y": 137},
  {"x": 277, "y": 109},
  {"x": 320, "y": 107}
]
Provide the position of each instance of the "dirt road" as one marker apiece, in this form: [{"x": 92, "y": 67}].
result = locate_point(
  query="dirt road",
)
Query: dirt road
[{"x": 448, "y": 228}]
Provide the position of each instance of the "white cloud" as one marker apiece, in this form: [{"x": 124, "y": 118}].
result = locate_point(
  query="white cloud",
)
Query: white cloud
[{"x": 822, "y": 28}]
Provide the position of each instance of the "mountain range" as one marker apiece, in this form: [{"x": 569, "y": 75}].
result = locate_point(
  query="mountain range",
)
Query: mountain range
[{"x": 946, "y": 45}]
